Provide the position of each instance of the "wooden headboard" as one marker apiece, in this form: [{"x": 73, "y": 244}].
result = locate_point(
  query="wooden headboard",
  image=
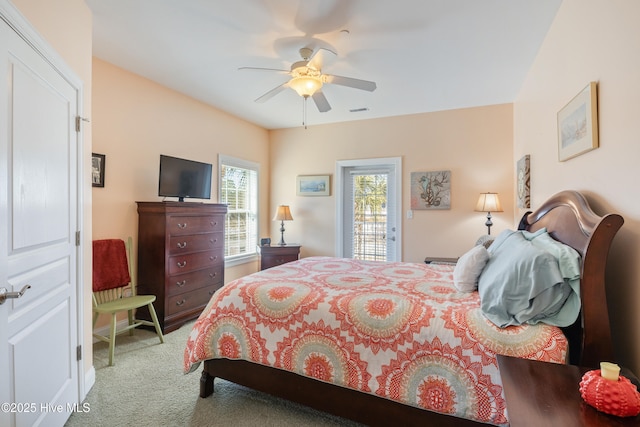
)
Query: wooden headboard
[{"x": 569, "y": 219}]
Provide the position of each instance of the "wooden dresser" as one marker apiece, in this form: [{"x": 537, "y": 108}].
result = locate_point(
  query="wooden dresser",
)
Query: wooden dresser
[{"x": 180, "y": 258}]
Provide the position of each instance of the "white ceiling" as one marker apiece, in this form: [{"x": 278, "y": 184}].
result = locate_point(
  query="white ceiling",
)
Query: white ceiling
[{"x": 424, "y": 55}]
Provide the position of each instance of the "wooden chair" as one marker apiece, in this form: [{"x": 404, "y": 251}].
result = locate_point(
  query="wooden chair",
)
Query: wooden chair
[{"x": 114, "y": 290}]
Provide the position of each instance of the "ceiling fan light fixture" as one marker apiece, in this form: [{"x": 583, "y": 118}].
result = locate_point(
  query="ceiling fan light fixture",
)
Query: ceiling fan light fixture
[{"x": 306, "y": 86}]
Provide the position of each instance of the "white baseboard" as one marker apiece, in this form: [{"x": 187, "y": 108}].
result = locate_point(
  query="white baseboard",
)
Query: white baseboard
[{"x": 89, "y": 381}]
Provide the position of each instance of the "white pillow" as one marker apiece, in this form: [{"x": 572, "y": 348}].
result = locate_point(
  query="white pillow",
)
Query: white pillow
[{"x": 468, "y": 269}]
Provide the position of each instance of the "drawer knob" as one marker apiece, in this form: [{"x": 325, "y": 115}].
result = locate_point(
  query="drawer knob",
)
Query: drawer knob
[
  {"x": 212, "y": 292},
  {"x": 182, "y": 225},
  {"x": 182, "y": 264},
  {"x": 214, "y": 223},
  {"x": 182, "y": 245},
  {"x": 212, "y": 275},
  {"x": 179, "y": 303},
  {"x": 212, "y": 258},
  {"x": 181, "y": 284}
]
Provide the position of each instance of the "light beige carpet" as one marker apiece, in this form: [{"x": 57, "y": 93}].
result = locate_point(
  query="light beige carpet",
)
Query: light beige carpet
[{"x": 146, "y": 387}]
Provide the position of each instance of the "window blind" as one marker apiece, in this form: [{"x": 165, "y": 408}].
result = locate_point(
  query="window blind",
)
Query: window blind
[
  {"x": 367, "y": 210},
  {"x": 239, "y": 191}
]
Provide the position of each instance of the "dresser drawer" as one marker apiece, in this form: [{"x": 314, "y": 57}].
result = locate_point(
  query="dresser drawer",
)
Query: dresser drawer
[
  {"x": 269, "y": 261},
  {"x": 195, "y": 243},
  {"x": 272, "y": 256},
  {"x": 179, "y": 225},
  {"x": 180, "y": 264},
  {"x": 190, "y": 300},
  {"x": 181, "y": 283}
]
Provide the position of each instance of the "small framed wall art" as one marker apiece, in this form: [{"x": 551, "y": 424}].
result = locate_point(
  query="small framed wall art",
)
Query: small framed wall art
[
  {"x": 578, "y": 124},
  {"x": 431, "y": 190},
  {"x": 524, "y": 182},
  {"x": 97, "y": 169},
  {"x": 313, "y": 185}
]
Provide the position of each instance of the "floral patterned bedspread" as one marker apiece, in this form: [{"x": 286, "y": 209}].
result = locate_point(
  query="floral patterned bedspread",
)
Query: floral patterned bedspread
[{"x": 397, "y": 330}]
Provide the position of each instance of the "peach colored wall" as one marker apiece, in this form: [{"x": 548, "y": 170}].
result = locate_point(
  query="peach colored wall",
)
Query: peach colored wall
[
  {"x": 475, "y": 144},
  {"x": 134, "y": 121},
  {"x": 590, "y": 40},
  {"x": 67, "y": 25},
  {"x": 593, "y": 40}
]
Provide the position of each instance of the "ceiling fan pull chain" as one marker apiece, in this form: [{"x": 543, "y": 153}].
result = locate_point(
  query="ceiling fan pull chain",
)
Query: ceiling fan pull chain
[{"x": 304, "y": 111}]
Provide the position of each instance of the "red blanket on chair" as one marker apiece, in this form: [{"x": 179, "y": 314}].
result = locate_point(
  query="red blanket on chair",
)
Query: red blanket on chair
[{"x": 110, "y": 268}]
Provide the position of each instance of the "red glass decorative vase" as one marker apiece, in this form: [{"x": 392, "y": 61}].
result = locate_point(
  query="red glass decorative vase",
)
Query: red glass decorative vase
[{"x": 620, "y": 398}]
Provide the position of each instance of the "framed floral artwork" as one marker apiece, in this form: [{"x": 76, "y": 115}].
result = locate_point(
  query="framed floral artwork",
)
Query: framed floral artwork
[{"x": 431, "y": 190}]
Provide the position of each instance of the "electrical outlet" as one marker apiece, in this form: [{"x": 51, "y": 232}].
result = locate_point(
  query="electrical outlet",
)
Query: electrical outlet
[{"x": 409, "y": 214}]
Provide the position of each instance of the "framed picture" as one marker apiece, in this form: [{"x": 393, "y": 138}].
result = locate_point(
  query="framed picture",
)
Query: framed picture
[
  {"x": 431, "y": 190},
  {"x": 523, "y": 175},
  {"x": 578, "y": 124},
  {"x": 312, "y": 185},
  {"x": 97, "y": 170}
]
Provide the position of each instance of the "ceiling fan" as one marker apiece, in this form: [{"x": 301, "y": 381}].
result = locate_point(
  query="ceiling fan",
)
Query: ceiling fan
[{"x": 307, "y": 79}]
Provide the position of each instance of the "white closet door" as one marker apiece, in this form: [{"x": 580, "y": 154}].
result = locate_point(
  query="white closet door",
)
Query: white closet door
[{"x": 39, "y": 219}]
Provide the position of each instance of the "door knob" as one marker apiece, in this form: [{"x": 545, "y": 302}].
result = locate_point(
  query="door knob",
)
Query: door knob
[{"x": 4, "y": 294}]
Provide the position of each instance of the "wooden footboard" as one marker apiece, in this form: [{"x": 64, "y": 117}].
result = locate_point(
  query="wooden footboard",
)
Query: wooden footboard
[{"x": 344, "y": 402}]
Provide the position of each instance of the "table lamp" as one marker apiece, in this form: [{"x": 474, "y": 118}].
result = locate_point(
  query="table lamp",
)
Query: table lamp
[
  {"x": 488, "y": 202},
  {"x": 282, "y": 214}
]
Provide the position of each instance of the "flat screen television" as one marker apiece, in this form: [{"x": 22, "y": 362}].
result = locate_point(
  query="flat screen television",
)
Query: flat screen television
[{"x": 184, "y": 178}]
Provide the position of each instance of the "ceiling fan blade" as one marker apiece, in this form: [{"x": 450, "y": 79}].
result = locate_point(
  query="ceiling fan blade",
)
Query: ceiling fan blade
[
  {"x": 321, "y": 101},
  {"x": 317, "y": 59},
  {"x": 264, "y": 69},
  {"x": 350, "y": 82},
  {"x": 273, "y": 92}
]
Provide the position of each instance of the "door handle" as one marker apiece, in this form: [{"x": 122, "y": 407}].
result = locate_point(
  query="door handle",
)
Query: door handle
[{"x": 4, "y": 294}]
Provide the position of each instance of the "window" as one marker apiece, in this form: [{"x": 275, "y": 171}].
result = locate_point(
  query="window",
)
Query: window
[{"x": 239, "y": 191}]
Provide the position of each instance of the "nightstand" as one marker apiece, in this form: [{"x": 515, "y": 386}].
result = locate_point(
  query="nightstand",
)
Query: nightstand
[
  {"x": 438, "y": 260},
  {"x": 272, "y": 256},
  {"x": 548, "y": 394}
]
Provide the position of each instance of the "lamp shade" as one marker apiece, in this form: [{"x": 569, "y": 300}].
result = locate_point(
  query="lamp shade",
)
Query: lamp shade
[
  {"x": 283, "y": 214},
  {"x": 488, "y": 202},
  {"x": 305, "y": 85}
]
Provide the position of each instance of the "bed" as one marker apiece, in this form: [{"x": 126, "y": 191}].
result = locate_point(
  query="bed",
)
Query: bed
[{"x": 382, "y": 342}]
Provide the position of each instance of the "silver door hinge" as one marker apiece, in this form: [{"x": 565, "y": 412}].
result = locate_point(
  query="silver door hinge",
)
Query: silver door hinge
[
  {"x": 79, "y": 352},
  {"x": 78, "y": 120},
  {"x": 77, "y": 238}
]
